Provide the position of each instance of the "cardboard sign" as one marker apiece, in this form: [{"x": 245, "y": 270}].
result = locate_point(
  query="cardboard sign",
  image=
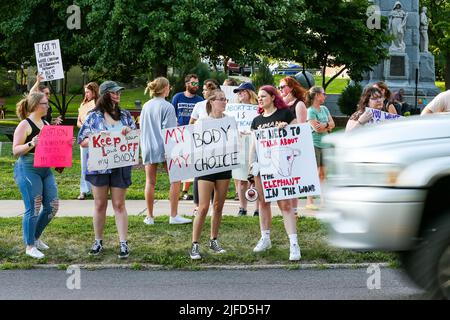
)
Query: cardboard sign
[
  {"x": 48, "y": 60},
  {"x": 111, "y": 149},
  {"x": 287, "y": 162},
  {"x": 243, "y": 113},
  {"x": 54, "y": 148},
  {"x": 207, "y": 147},
  {"x": 380, "y": 116}
]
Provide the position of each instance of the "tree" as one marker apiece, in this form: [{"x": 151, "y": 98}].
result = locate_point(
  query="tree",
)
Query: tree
[{"x": 439, "y": 33}]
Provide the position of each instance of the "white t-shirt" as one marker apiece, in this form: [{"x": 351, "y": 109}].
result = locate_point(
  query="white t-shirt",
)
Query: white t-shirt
[
  {"x": 199, "y": 110},
  {"x": 440, "y": 103}
]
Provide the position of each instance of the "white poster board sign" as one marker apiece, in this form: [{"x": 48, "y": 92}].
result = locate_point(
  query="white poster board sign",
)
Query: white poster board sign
[
  {"x": 48, "y": 60},
  {"x": 380, "y": 116},
  {"x": 206, "y": 147},
  {"x": 112, "y": 149},
  {"x": 243, "y": 113},
  {"x": 229, "y": 94},
  {"x": 287, "y": 162}
]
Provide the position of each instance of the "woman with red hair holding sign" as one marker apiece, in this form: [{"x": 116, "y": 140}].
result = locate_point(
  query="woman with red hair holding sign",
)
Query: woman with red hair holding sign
[{"x": 274, "y": 113}]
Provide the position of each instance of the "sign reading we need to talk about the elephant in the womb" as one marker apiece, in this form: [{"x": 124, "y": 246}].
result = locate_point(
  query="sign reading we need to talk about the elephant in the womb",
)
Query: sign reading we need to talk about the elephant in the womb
[{"x": 287, "y": 162}]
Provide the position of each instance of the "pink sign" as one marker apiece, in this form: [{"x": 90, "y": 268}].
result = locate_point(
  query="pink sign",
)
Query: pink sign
[{"x": 54, "y": 148}]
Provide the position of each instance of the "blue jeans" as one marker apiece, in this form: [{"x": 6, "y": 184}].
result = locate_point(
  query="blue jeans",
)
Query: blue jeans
[
  {"x": 39, "y": 194},
  {"x": 85, "y": 186}
]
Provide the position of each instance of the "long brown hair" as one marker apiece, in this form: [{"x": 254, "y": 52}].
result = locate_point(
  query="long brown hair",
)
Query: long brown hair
[
  {"x": 28, "y": 104},
  {"x": 94, "y": 88},
  {"x": 297, "y": 90}
]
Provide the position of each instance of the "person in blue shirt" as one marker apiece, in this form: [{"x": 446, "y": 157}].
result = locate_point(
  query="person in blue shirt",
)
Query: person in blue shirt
[{"x": 184, "y": 103}]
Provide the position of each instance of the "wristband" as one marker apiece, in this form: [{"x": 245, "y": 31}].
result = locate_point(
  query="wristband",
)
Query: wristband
[
  {"x": 30, "y": 144},
  {"x": 327, "y": 125}
]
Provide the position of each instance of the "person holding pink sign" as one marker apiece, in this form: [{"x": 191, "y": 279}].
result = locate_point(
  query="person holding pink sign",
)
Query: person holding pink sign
[
  {"x": 108, "y": 116},
  {"x": 273, "y": 113},
  {"x": 37, "y": 185}
]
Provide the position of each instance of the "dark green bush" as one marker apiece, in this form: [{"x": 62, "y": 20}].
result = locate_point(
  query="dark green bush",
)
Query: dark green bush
[
  {"x": 349, "y": 99},
  {"x": 263, "y": 75}
]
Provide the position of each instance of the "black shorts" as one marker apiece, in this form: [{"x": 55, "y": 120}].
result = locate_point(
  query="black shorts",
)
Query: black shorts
[
  {"x": 118, "y": 178},
  {"x": 226, "y": 175}
]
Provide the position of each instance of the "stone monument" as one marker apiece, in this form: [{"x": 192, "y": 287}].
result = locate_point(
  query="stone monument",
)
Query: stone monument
[{"x": 407, "y": 53}]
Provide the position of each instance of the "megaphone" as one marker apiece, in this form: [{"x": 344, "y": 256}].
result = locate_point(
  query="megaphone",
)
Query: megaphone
[{"x": 251, "y": 194}]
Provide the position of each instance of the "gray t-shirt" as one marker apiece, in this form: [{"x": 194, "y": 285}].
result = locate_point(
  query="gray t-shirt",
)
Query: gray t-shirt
[{"x": 156, "y": 114}]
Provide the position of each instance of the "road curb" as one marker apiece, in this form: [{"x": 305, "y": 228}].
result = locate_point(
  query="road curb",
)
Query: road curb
[{"x": 289, "y": 266}]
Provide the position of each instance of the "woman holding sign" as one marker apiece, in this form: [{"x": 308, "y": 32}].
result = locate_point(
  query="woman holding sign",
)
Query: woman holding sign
[
  {"x": 273, "y": 113},
  {"x": 37, "y": 185},
  {"x": 158, "y": 114},
  {"x": 108, "y": 116},
  {"x": 90, "y": 98},
  {"x": 217, "y": 182},
  {"x": 371, "y": 98}
]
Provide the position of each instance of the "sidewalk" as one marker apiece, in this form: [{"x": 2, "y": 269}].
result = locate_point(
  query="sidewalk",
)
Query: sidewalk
[{"x": 84, "y": 208}]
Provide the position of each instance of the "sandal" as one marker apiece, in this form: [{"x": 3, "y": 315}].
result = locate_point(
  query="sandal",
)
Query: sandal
[{"x": 82, "y": 196}]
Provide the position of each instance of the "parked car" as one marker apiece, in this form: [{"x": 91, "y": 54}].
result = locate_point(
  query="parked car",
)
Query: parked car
[
  {"x": 234, "y": 68},
  {"x": 388, "y": 189}
]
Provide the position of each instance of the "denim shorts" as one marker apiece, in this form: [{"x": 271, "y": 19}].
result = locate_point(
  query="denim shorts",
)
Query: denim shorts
[{"x": 118, "y": 178}]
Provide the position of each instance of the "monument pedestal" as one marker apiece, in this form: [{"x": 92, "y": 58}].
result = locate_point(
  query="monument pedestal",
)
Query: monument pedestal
[
  {"x": 426, "y": 74},
  {"x": 397, "y": 67}
]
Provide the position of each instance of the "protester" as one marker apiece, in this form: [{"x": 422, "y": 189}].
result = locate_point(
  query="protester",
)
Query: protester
[
  {"x": 246, "y": 94},
  {"x": 37, "y": 185},
  {"x": 230, "y": 82},
  {"x": 388, "y": 105},
  {"x": 440, "y": 103},
  {"x": 294, "y": 95},
  {"x": 371, "y": 98},
  {"x": 184, "y": 103},
  {"x": 398, "y": 100},
  {"x": 38, "y": 87},
  {"x": 90, "y": 98},
  {"x": 199, "y": 112},
  {"x": 321, "y": 122},
  {"x": 157, "y": 114},
  {"x": 108, "y": 116},
  {"x": 217, "y": 182},
  {"x": 273, "y": 113}
]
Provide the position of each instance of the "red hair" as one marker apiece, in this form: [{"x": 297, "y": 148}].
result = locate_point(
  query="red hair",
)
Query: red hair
[
  {"x": 277, "y": 102},
  {"x": 297, "y": 90}
]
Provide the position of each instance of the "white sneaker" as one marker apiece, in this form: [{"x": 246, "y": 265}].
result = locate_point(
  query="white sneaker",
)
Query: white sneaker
[
  {"x": 149, "y": 220},
  {"x": 294, "y": 253},
  {"x": 179, "y": 220},
  {"x": 40, "y": 245},
  {"x": 263, "y": 245},
  {"x": 35, "y": 253}
]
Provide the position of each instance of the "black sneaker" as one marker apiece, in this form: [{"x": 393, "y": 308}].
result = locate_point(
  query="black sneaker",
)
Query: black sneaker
[
  {"x": 124, "y": 252},
  {"x": 187, "y": 196},
  {"x": 256, "y": 213},
  {"x": 195, "y": 252},
  {"x": 214, "y": 246},
  {"x": 97, "y": 247},
  {"x": 242, "y": 212}
]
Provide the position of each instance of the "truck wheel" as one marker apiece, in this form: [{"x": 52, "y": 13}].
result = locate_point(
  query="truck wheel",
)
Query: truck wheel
[{"x": 429, "y": 264}]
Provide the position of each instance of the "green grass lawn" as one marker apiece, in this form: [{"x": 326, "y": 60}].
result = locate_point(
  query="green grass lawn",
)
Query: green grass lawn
[{"x": 70, "y": 238}]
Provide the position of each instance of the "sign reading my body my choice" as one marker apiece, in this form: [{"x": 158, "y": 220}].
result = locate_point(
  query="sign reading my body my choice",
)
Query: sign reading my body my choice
[
  {"x": 48, "y": 60},
  {"x": 207, "y": 147},
  {"x": 54, "y": 148},
  {"x": 287, "y": 162},
  {"x": 112, "y": 149}
]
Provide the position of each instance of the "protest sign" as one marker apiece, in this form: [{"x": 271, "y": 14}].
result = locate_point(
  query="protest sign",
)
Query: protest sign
[
  {"x": 243, "y": 113},
  {"x": 380, "y": 116},
  {"x": 112, "y": 149},
  {"x": 207, "y": 147},
  {"x": 229, "y": 94},
  {"x": 48, "y": 60},
  {"x": 54, "y": 148},
  {"x": 287, "y": 162}
]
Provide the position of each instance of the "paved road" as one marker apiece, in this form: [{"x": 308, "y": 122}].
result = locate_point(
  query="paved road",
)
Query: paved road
[{"x": 272, "y": 284}]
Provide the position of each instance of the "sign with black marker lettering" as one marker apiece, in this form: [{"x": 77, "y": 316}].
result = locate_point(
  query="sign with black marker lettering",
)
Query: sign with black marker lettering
[
  {"x": 206, "y": 147},
  {"x": 243, "y": 113},
  {"x": 287, "y": 162},
  {"x": 48, "y": 60}
]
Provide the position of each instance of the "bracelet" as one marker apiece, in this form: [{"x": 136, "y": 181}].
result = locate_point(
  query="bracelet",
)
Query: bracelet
[
  {"x": 327, "y": 125},
  {"x": 30, "y": 144}
]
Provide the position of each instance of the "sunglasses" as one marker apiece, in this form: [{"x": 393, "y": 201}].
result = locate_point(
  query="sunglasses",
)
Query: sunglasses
[
  {"x": 282, "y": 87},
  {"x": 221, "y": 99},
  {"x": 193, "y": 83}
]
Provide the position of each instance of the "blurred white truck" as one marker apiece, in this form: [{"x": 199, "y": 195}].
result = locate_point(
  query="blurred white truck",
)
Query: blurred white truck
[{"x": 388, "y": 188}]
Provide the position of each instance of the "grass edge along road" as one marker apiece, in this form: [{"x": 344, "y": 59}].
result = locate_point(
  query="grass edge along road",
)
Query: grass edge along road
[{"x": 167, "y": 245}]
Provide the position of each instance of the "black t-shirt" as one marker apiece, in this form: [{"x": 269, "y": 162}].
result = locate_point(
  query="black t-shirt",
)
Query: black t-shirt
[{"x": 281, "y": 115}]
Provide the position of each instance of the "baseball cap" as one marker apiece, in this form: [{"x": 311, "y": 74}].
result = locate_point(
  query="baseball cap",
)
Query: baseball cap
[
  {"x": 244, "y": 86},
  {"x": 109, "y": 86}
]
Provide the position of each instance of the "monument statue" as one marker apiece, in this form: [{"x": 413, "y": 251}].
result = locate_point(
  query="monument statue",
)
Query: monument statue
[
  {"x": 424, "y": 30},
  {"x": 397, "y": 24}
]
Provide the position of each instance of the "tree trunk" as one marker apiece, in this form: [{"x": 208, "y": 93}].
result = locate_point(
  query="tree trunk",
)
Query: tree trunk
[
  {"x": 447, "y": 71},
  {"x": 160, "y": 70}
]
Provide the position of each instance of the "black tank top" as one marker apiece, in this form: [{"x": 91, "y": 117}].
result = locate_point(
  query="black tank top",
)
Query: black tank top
[
  {"x": 292, "y": 107},
  {"x": 34, "y": 132}
]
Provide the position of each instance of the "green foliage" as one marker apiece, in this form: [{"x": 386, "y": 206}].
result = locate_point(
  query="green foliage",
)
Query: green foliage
[
  {"x": 263, "y": 75},
  {"x": 76, "y": 89},
  {"x": 349, "y": 98}
]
